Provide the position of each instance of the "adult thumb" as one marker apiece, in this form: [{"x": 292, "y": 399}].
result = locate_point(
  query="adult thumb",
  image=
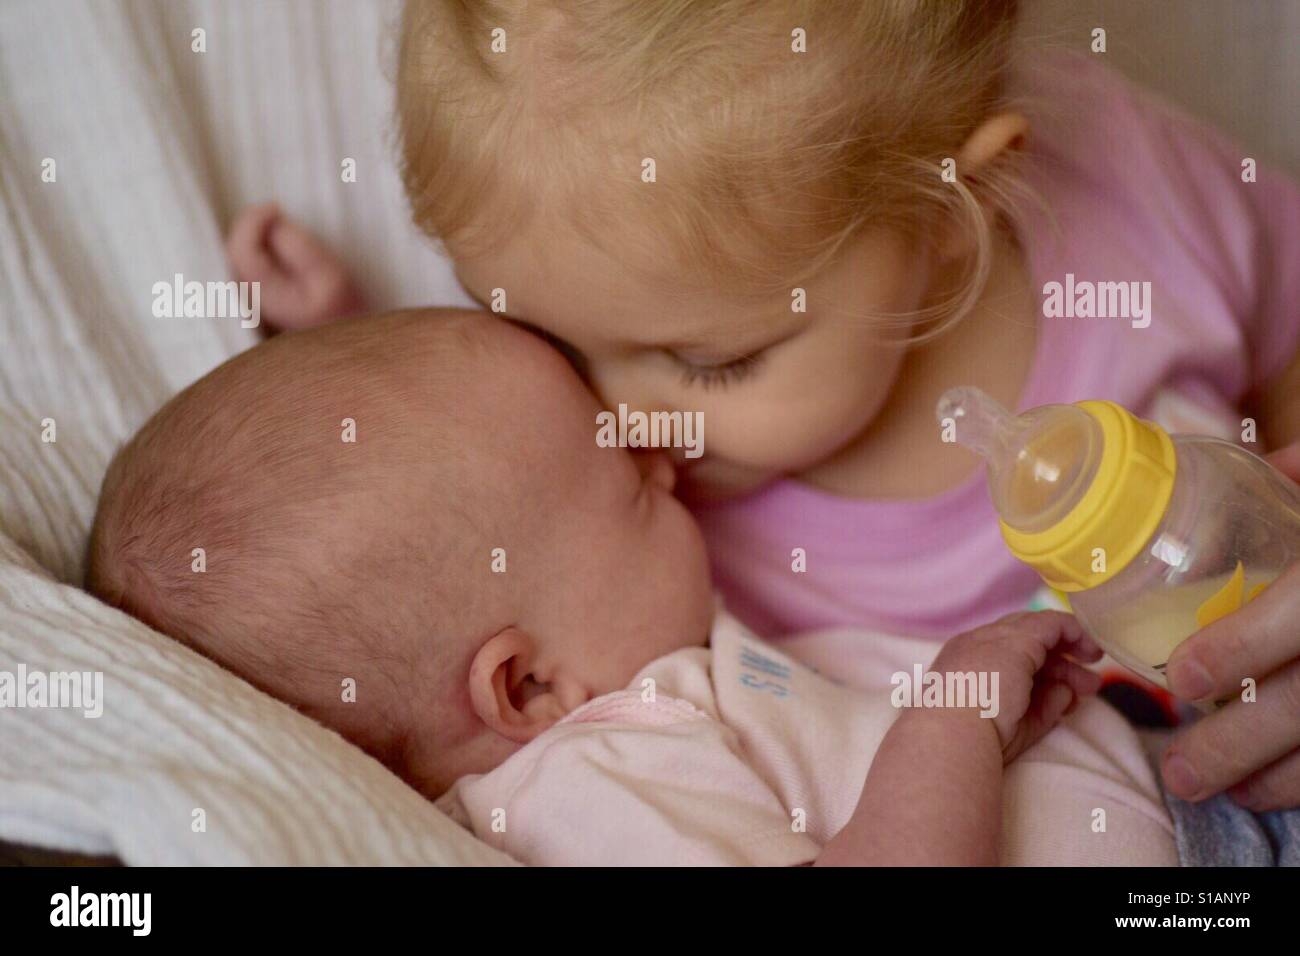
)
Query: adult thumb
[{"x": 1287, "y": 461}]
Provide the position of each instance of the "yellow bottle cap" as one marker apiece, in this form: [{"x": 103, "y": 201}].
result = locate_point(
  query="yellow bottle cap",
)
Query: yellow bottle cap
[{"x": 1117, "y": 514}]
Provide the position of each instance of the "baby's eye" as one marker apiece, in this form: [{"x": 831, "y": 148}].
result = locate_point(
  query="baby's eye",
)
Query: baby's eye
[{"x": 717, "y": 375}]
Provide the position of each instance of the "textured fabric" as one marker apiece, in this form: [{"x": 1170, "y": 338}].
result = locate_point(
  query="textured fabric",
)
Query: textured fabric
[
  {"x": 1218, "y": 832},
  {"x": 179, "y": 735},
  {"x": 154, "y": 147},
  {"x": 740, "y": 754},
  {"x": 1133, "y": 192}
]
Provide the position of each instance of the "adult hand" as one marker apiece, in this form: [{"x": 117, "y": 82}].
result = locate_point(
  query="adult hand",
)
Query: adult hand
[{"x": 1252, "y": 748}]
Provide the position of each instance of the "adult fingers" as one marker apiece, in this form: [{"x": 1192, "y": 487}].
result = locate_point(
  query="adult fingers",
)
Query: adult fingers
[
  {"x": 1251, "y": 642},
  {"x": 1276, "y": 787},
  {"x": 1287, "y": 461},
  {"x": 1225, "y": 747}
]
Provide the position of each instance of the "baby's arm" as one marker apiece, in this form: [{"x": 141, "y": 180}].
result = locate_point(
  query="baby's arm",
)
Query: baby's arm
[{"x": 933, "y": 796}]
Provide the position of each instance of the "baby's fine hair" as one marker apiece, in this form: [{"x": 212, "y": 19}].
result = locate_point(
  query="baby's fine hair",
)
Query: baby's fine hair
[
  {"x": 780, "y": 130},
  {"x": 242, "y": 521}
]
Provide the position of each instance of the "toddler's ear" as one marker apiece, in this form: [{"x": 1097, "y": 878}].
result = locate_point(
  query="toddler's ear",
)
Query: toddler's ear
[
  {"x": 505, "y": 691},
  {"x": 1000, "y": 133},
  {"x": 993, "y": 137}
]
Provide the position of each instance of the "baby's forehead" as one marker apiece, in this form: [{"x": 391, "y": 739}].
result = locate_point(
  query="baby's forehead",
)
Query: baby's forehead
[{"x": 526, "y": 390}]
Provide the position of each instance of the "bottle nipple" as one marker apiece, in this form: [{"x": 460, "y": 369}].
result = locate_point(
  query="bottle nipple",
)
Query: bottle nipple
[
  {"x": 980, "y": 423},
  {"x": 1040, "y": 463}
]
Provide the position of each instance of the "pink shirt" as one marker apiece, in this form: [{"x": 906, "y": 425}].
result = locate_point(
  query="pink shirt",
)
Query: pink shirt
[
  {"x": 1136, "y": 192},
  {"x": 738, "y": 753}
]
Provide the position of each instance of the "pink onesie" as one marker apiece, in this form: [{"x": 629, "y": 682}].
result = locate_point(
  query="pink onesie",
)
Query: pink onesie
[
  {"x": 737, "y": 753},
  {"x": 1135, "y": 193}
]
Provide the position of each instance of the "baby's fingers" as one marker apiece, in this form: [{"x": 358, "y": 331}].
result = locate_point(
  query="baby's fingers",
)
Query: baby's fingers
[
  {"x": 253, "y": 260},
  {"x": 1051, "y": 701},
  {"x": 1083, "y": 682},
  {"x": 1057, "y": 699},
  {"x": 1084, "y": 649},
  {"x": 247, "y": 243},
  {"x": 1045, "y": 631},
  {"x": 299, "y": 252}
]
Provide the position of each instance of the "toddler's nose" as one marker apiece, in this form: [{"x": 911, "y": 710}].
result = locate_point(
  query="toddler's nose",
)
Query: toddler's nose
[{"x": 656, "y": 467}]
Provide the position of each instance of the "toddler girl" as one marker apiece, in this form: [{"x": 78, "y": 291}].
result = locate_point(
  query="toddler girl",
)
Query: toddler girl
[{"x": 806, "y": 219}]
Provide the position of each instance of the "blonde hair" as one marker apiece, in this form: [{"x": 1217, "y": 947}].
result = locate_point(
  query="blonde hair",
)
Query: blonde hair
[{"x": 768, "y": 161}]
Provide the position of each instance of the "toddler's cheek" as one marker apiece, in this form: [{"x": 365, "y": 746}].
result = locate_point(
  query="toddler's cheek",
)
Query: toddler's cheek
[{"x": 788, "y": 438}]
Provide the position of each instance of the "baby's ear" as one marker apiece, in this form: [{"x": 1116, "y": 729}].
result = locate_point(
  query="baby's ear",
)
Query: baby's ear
[{"x": 504, "y": 691}]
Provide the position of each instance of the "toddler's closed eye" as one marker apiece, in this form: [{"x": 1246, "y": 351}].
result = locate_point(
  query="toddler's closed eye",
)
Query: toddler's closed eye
[{"x": 717, "y": 375}]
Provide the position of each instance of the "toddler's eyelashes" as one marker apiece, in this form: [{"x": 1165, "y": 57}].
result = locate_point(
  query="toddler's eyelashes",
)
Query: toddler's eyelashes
[{"x": 717, "y": 375}]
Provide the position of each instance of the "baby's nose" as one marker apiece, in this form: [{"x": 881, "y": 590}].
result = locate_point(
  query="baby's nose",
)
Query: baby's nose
[{"x": 657, "y": 467}]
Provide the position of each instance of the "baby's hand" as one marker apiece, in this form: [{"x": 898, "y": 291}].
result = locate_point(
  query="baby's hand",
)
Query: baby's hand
[
  {"x": 1037, "y": 683},
  {"x": 303, "y": 284}
]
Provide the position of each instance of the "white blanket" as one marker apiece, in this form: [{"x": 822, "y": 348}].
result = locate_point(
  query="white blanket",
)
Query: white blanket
[{"x": 154, "y": 146}]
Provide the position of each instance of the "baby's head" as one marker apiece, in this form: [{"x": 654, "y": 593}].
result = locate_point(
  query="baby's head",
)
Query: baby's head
[
  {"x": 350, "y": 488},
  {"x": 736, "y": 207}
]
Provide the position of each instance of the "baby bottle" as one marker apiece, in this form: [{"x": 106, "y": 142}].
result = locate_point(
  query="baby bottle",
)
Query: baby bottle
[{"x": 1149, "y": 537}]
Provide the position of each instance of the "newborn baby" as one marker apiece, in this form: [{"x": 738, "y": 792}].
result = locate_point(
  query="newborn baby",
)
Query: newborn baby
[{"x": 403, "y": 526}]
